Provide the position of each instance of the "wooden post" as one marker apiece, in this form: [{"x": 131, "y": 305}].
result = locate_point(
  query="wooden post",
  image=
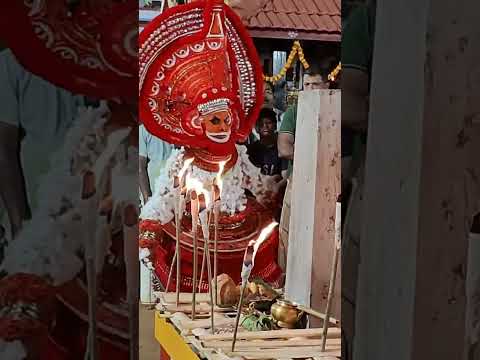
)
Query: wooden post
[
  {"x": 421, "y": 184},
  {"x": 316, "y": 186}
]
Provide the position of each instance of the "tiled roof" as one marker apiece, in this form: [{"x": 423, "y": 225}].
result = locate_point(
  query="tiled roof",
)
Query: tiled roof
[{"x": 302, "y": 19}]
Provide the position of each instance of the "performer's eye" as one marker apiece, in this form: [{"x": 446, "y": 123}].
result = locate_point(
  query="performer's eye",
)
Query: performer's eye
[{"x": 215, "y": 120}]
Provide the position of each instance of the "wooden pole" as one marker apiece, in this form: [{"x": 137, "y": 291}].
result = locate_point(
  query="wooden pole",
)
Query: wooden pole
[
  {"x": 89, "y": 201},
  {"x": 216, "y": 211},
  {"x": 194, "y": 212},
  {"x": 333, "y": 275},
  {"x": 178, "y": 228}
]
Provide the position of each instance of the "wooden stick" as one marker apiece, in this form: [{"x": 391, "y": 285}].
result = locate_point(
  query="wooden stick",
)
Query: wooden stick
[
  {"x": 216, "y": 214},
  {"x": 333, "y": 273},
  {"x": 304, "y": 352},
  {"x": 185, "y": 298},
  {"x": 204, "y": 219},
  {"x": 205, "y": 241},
  {"x": 318, "y": 315},
  {"x": 276, "y": 334},
  {"x": 170, "y": 272},
  {"x": 202, "y": 268},
  {"x": 210, "y": 288},
  {"x": 89, "y": 220},
  {"x": 178, "y": 226},
  {"x": 130, "y": 231},
  {"x": 239, "y": 311},
  {"x": 194, "y": 212}
]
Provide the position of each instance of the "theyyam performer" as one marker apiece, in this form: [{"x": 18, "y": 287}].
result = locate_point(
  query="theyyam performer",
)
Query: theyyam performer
[{"x": 201, "y": 88}]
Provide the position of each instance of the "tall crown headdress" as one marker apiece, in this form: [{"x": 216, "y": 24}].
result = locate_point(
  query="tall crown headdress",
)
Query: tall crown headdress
[{"x": 196, "y": 59}]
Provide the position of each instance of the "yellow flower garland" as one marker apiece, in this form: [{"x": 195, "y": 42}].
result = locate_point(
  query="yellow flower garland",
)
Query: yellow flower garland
[
  {"x": 333, "y": 75},
  {"x": 296, "y": 49}
]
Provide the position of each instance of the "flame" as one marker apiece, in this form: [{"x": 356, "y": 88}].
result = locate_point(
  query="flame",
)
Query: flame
[
  {"x": 263, "y": 236},
  {"x": 221, "y": 166},
  {"x": 186, "y": 164},
  {"x": 195, "y": 185}
]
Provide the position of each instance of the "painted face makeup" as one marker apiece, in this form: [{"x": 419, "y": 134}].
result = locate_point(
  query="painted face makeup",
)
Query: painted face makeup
[{"x": 218, "y": 126}]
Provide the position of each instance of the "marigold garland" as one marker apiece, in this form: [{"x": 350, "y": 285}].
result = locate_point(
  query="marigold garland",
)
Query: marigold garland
[
  {"x": 296, "y": 49},
  {"x": 333, "y": 75}
]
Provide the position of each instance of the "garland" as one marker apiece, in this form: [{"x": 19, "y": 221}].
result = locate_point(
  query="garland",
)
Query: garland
[
  {"x": 333, "y": 75},
  {"x": 296, "y": 49}
]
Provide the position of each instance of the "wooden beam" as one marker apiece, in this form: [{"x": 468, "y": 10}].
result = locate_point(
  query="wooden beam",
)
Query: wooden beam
[
  {"x": 316, "y": 186},
  {"x": 421, "y": 185},
  {"x": 274, "y": 334}
]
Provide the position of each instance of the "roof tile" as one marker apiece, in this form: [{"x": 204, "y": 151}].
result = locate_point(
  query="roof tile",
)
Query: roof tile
[{"x": 311, "y": 16}]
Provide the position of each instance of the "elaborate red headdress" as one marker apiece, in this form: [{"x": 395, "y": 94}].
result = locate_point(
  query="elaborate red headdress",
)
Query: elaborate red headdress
[
  {"x": 195, "y": 60},
  {"x": 87, "y": 48}
]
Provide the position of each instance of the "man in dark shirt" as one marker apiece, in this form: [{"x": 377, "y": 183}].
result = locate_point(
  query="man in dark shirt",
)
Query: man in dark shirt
[{"x": 263, "y": 153}]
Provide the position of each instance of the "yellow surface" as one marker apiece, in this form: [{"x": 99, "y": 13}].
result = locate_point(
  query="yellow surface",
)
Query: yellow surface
[{"x": 171, "y": 341}]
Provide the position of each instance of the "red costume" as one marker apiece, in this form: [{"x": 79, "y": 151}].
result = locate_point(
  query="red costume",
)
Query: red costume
[
  {"x": 201, "y": 87},
  {"x": 89, "y": 49}
]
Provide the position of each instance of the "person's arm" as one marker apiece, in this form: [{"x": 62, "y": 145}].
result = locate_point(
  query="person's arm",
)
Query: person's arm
[
  {"x": 286, "y": 146},
  {"x": 144, "y": 181},
  {"x": 357, "y": 49},
  {"x": 12, "y": 188},
  {"x": 355, "y": 99},
  {"x": 286, "y": 135}
]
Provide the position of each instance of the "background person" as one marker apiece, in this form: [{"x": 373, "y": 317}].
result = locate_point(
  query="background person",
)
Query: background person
[
  {"x": 153, "y": 153},
  {"x": 34, "y": 118}
]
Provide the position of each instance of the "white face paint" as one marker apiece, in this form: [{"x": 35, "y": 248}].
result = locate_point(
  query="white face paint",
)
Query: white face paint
[
  {"x": 221, "y": 138},
  {"x": 218, "y": 126}
]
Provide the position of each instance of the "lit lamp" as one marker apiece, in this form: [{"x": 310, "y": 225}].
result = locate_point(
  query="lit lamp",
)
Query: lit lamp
[{"x": 247, "y": 266}]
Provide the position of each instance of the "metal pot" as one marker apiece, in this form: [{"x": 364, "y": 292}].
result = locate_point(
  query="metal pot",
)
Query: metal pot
[{"x": 286, "y": 314}]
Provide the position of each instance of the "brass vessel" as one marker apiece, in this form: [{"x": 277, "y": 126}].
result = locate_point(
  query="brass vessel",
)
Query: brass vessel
[{"x": 286, "y": 314}]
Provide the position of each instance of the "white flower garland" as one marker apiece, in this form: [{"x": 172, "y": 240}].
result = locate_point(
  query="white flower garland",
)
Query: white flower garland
[
  {"x": 243, "y": 175},
  {"x": 49, "y": 245}
]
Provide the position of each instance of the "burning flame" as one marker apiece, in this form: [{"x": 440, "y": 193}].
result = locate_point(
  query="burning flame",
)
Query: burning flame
[
  {"x": 263, "y": 236},
  {"x": 221, "y": 165},
  {"x": 195, "y": 185},
  {"x": 186, "y": 164}
]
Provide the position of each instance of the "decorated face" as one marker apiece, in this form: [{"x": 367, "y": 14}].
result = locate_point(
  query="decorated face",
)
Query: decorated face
[{"x": 217, "y": 126}]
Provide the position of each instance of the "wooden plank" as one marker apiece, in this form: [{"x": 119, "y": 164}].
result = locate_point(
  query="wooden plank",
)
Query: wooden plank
[
  {"x": 187, "y": 309},
  {"x": 275, "y": 334},
  {"x": 327, "y": 190},
  {"x": 312, "y": 221},
  {"x": 421, "y": 186},
  {"x": 185, "y": 298},
  {"x": 269, "y": 344},
  {"x": 290, "y": 352},
  {"x": 185, "y": 324}
]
